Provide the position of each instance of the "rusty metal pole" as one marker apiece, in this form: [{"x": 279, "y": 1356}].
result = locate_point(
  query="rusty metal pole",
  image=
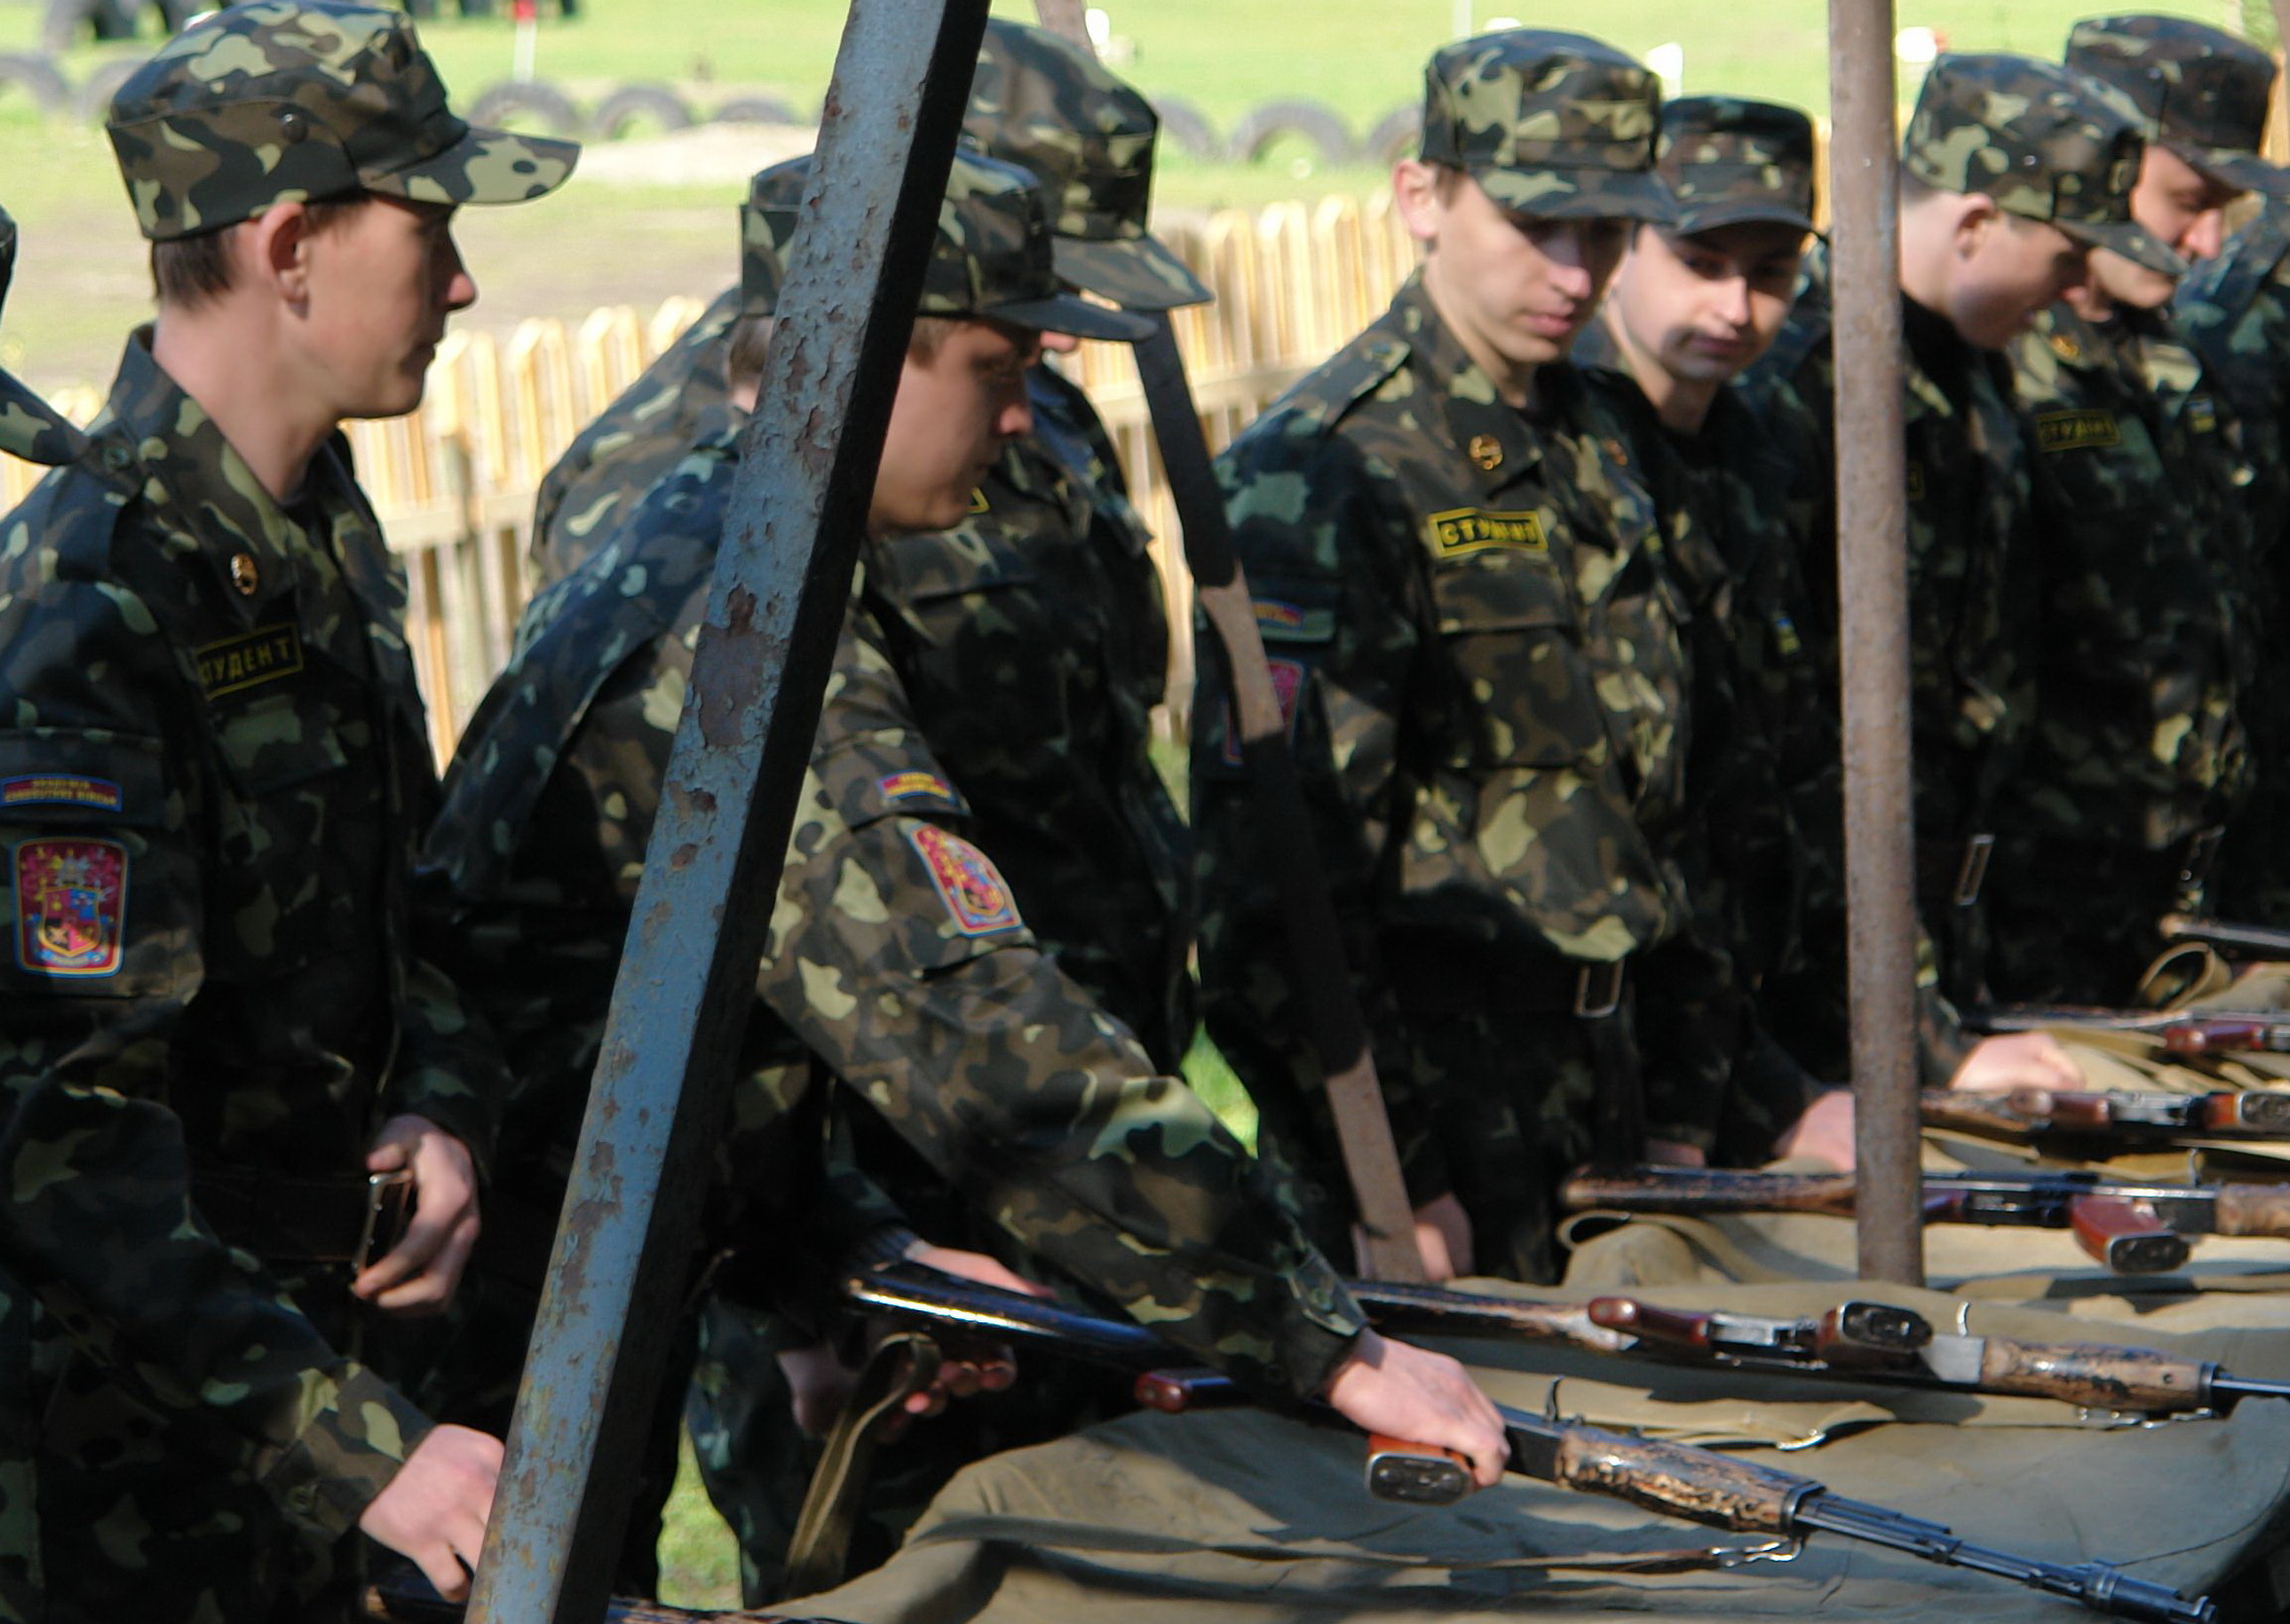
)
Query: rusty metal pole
[
  {"x": 1334, "y": 1026},
  {"x": 687, "y": 980},
  {"x": 1872, "y": 589}
]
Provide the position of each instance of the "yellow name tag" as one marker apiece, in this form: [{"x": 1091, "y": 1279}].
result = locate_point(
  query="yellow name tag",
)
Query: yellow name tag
[
  {"x": 2076, "y": 430},
  {"x": 262, "y": 655},
  {"x": 1475, "y": 529}
]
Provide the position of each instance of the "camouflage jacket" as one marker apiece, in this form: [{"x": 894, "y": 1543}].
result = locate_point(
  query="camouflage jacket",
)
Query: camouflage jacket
[
  {"x": 2139, "y": 493},
  {"x": 897, "y": 953},
  {"x": 675, "y": 402},
  {"x": 1479, "y": 637},
  {"x": 215, "y": 771},
  {"x": 1032, "y": 648},
  {"x": 1970, "y": 555}
]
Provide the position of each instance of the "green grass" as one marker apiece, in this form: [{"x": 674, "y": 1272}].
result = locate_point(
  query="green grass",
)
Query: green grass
[{"x": 699, "y": 1561}]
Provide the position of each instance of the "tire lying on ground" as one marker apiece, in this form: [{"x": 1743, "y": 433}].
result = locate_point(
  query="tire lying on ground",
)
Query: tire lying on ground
[
  {"x": 1315, "y": 121},
  {"x": 33, "y": 76},
  {"x": 633, "y": 104},
  {"x": 1397, "y": 134},
  {"x": 1182, "y": 123},
  {"x": 100, "y": 86},
  {"x": 535, "y": 99},
  {"x": 68, "y": 23},
  {"x": 756, "y": 109}
]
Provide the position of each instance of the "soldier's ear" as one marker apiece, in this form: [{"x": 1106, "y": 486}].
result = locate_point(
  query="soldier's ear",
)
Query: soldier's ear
[
  {"x": 1421, "y": 191},
  {"x": 1977, "y": 219},
  {"x": 274, "y": 251}
]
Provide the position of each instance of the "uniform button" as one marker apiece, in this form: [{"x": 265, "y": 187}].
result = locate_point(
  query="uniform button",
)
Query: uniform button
[
  {"x": 116, "y": 455},
  {"x": 292, "y": 124}
]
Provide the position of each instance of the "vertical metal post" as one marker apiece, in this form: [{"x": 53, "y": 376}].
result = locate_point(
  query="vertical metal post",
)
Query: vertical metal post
[
  {"x": 1334, "y": 1026},
  {"x": 1873, "y": 586},
  {"x": 686, "y": 980}
]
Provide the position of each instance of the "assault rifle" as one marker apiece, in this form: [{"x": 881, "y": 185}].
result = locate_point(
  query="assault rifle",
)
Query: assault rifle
[
  {"x": 1676, "y": 1479},
  {"x": 2134, "y": 1228},
  {"x": 1855, "y": 1341},
  {"x": 2111, "y": 1120},
  {"x": 2187, "y": 1034}
]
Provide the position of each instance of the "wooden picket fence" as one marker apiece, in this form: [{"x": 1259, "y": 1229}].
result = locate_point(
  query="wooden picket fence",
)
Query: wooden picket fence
[{"x": 454, "y": 481}]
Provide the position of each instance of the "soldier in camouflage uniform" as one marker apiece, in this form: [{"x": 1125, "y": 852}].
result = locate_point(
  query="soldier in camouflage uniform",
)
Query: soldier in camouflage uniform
[
  {"x": 216, "y": 1019},
  {"x": 2012, "y": 170},
  {"x": 2234, "y": 312},
  {"x": 2137, "y": 758},
  {"x": 1694, "y": 305},
  {"x": 1032, "y": 648},
  {"x": 897, "y": 954},
  {"x": 1479, "y": 628}
]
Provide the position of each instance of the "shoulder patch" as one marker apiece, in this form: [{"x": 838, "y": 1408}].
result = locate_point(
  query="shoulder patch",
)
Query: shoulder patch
[
  {"x": 974, "y": 893},
  {"x": 978, "y": 502},
  {"x": 2202, "y": 414},
  {"x": 62, "y": 790},
  {"x": 1461, "y": 530},
  {"x": 70, "y": 899},
  {"x": 1277, "y": 620},
  {"x": 2080, "y": 430},
  {"x": 1287, "y": 682},
  {"x": 265, "y": 654},
  {"x": 915, "y": 785}
]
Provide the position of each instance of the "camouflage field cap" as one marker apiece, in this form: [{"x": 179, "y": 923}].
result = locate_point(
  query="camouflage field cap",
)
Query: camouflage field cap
[
  {"x": 990, "y": 256},
  {"x": 1729, "y": 161},
  {"x": 283, "y": 100},
  {"x": 1551, "y": 124},
  {"x": 2045, "y": 143},
  {"x": 1046, "y": 105},
  {"x": 2203, "y": 91}
]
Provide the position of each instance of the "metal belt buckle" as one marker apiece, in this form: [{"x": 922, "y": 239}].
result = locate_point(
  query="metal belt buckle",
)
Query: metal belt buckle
[
  {"x": 1972, "y": 873},
  {"x": 1599, "y": 990}
]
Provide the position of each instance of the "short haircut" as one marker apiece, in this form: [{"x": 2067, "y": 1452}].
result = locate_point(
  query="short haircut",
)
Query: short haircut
[{"x": 189, "y": 271}]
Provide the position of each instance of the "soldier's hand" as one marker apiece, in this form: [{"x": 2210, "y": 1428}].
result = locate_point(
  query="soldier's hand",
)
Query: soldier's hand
[
  {"x": 1442, "y": 1237},
  {"x": 2017, "y": 1060},
  {"x": 434, "y": 1510},
  {"x": 1406, "y": 1391},
  {"x": 418, "y": 1275},
  {"x": 988, "y": 1370},
  {"x": 1824, "y": 1134}
]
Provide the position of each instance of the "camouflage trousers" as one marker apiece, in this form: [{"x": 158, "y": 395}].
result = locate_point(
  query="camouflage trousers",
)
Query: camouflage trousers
[{"x": 119, "y": 1509}]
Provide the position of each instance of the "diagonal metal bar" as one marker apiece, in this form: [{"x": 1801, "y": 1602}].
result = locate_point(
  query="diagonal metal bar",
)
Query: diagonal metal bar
[
  {"x": 687, "y": 980},
  {"x": 1873, "y": 587},
  {"x": 1334, "y": 1026}
]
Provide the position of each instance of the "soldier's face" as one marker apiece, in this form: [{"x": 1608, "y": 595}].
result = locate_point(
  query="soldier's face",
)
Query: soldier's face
[
  {"x": 382, "y": 282},
  {"x": 2007, "y": 270},
  {"x": 1516, "y": 290},
  {"x": 2181, "y": 205},
  {"x": 959, "y": 402},
  {"x": 1706, "y": 306}
]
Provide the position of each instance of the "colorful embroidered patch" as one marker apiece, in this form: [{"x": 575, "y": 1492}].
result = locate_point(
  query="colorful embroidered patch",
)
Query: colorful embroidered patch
[
  {"x": 914, "y": 785},
  {"x": 1287, "y": 682},
  {"x": 2202, "y": 414},
  {"x": 1461, "y": 530},
  {"x": 1786, "y": 639},
  {"x": 265, "y": 654},
  {"x": 1280, "y": 622},
  {"x": 2076, "y": 430},
  {"x": 967, "y": 880},
  {"x": 60, "y": 789},
  {"x": 70, "y": 899}
]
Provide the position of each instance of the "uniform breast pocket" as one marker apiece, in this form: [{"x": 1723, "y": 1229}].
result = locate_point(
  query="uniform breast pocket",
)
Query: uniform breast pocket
[
  {"x": 1513, "y": 643},
  {"x": 2095, "y": 462},
  {"x": 953, "y": 571},
  {"x": 304, "y": 827}
]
